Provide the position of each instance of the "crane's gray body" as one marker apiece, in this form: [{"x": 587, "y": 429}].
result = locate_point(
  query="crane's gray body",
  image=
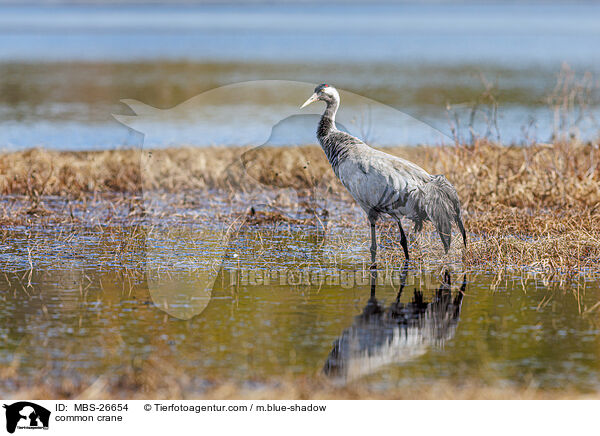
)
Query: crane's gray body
[
  {"x": 385, "y": 184},
  {"x": 379, "y": 182}
]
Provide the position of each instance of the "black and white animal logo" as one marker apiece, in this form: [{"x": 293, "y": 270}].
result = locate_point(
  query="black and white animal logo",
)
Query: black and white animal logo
[{"x": 26, "y": 415}]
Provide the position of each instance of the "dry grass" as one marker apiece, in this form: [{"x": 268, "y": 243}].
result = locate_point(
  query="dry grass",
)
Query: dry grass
[
  {"x": 532, "y": 206},
  {"x": 543, "y": 176}
]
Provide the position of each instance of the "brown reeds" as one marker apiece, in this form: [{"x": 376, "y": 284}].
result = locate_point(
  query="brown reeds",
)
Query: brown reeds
[
  {"x": 564, "y": 175},
  {"x": 536, "y": 206}
]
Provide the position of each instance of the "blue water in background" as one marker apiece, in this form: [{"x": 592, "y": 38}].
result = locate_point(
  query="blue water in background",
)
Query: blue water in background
[
  {"x": 513, "y": 36},
  {"x": 454, "y": 33}
]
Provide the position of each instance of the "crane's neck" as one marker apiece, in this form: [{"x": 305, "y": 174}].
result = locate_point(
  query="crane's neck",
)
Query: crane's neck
[
  {"x": 334, "y": 148},
  {"x": 327, "y": 123}
]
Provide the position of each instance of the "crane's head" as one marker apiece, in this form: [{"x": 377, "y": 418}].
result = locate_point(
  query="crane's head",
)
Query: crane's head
[{"x": 325, "y": 93}]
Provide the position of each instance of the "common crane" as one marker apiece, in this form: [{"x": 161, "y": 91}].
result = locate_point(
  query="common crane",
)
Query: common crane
[{"x": 385, "y": 184}]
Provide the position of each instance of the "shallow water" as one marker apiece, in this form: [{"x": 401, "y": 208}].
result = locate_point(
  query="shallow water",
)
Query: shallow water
[{"x": 93, "y": 305}]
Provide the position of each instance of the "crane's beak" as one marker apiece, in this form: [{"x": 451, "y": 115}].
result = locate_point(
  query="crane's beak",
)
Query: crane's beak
[{"x": 312, "y": 98}]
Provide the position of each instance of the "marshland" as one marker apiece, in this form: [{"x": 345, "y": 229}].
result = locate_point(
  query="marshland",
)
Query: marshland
[{"x": 218, "y": 256}]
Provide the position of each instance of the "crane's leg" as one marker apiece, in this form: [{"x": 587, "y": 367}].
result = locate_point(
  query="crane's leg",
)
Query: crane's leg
[
  {"x": 373, "y": 243},
  {"x": 373, "y": 216},
  {"x": 403, "y": 241}
]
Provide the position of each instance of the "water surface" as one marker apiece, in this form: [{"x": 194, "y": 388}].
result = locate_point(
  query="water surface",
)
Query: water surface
[
  {"x": 282, "y": 308},
  {"x": 63, "y": 69}
]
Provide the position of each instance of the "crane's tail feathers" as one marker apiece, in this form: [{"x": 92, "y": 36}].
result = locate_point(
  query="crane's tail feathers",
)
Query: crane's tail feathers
[{"x": 442, "y": 207}]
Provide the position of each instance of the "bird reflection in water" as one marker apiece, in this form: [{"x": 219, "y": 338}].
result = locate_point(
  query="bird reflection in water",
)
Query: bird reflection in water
[{"x": 380, "y": 337}]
